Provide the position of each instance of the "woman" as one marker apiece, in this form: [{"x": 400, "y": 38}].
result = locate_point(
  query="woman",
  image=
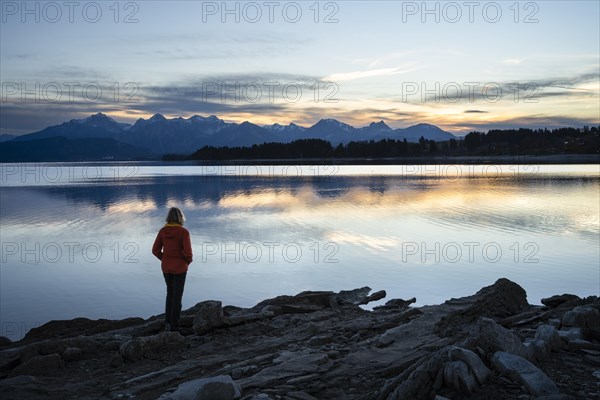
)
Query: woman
[{"x": 174, "y": 248}]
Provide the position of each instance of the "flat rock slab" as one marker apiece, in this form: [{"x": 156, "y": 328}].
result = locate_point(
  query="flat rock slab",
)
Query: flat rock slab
[
  {"x": 288, "y": 365},
  {"x": 536, "y": 382}
]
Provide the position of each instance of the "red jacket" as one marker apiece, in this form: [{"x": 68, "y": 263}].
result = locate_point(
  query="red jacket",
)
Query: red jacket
[{"x": 174, "y": 248}]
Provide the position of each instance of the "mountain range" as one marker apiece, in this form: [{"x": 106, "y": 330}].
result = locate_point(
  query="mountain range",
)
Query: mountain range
[{"x": 159, "y": 135}]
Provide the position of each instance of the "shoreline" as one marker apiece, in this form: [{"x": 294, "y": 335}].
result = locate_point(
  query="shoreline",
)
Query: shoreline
[
  {"x": 29, "y": 325},
  {"x": 321, "y": 345},
  {"x": 567, "y": 159}
]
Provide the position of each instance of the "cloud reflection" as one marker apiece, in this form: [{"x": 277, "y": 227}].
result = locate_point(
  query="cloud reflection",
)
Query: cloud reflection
[{"x": 352, "y": 205}]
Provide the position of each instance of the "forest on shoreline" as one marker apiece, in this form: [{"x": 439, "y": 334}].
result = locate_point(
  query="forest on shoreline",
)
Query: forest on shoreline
[{"x": 512, "y": 142}]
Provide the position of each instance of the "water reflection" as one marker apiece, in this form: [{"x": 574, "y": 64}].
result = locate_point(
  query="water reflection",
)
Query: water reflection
[
  {"x": 390, "y": 232},
  {"x": 543, "y": 206}
]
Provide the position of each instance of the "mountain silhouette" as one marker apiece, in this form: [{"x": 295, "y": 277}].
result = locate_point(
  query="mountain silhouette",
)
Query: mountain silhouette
[{"x": 159, "y": 135}]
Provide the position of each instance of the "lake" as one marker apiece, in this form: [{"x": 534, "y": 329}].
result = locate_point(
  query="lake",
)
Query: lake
[{"x": 76, "y": 238}]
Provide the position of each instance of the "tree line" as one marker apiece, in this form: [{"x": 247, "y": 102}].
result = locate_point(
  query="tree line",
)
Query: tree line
[
  {"x": 534, "y": 142},
  {"x": 495, "y": 142}
]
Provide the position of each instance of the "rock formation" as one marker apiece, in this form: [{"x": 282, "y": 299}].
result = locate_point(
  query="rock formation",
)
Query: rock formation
[{"x": 321, "y": 345}]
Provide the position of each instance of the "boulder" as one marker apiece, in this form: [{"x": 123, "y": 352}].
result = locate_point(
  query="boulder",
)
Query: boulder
[
  {"x": 492, "y": 337},
  {"x": 220, "y": 387},
  {"x": 557, "y": 300},
  {"x": 310, "y": 301},
  {"x": 304, "y": 302},
  {"x": 585, "y": 317},
  {"x": 395, "y": 304},
  {"x": 524, "y": 372},
  {"x": 500, "y": 300},
  {"x": 208, "y": 317},
  {"x": 356, "y": 296},
  {"x": 39, "y": 365},
  {"x": 456, "y": 376},
  {"x": 452, "y": 366},
  {"x": 374, "y": 297},
  {"x": 472, "y": 360},
  {"x": 148, "y": 346},
  {"x": 549, "y": 335}
]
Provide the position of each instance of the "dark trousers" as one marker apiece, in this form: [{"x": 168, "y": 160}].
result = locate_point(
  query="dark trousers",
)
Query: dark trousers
[{"x": 175, "y": 284}]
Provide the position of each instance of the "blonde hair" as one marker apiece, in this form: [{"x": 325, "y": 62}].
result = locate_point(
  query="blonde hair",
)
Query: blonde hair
[{"x": 175, "y": 216}]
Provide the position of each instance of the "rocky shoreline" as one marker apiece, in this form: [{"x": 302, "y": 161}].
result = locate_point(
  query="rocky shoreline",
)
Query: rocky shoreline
[{"x": 321, "y": 345}]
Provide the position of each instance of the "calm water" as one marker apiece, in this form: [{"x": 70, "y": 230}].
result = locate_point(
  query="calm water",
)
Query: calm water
[{"x": 76, "y": 238}]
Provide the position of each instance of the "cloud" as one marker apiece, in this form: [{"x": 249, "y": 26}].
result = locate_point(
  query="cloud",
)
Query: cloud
[
  {"x": 492, "y": 92},
  {"x": 512, "y": 61},
  {"x": 350, "y": 76},
  {"x": 191, "y": 95},
  {"x": 22, "y": 118},
  {"x": 231, "y": 93},
  {"x": 372, "y": 243},
  {"x": 569, "y": 82}
]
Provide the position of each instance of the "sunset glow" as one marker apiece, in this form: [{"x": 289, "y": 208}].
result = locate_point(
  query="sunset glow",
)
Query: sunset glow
[{"x": 355, "y": 61}]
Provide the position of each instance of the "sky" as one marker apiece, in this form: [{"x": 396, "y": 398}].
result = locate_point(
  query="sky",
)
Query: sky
[{"x": 463, "y": 66}]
